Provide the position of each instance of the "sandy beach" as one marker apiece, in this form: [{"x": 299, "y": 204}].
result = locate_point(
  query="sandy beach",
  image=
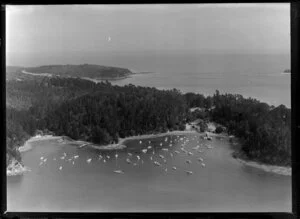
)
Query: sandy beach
[{"x": 287, "y": 171}]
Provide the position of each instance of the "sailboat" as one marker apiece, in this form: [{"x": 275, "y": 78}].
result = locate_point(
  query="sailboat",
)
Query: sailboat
[{"x": 118, "y": 171}]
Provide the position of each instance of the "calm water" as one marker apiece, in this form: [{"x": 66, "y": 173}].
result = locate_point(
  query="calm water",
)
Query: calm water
[
  {"x": 257, "y": 76},
  {"x": 223, "y": 184}
]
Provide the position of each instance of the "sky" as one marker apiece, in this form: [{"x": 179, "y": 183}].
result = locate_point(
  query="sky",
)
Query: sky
[{"x": 54, "y": 32}]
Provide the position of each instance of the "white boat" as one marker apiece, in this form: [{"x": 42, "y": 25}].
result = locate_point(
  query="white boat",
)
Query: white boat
[
  {"x": 189, "y": 172},
  {"x": 130, "y": 154},
  {"x": 174, "y": 168},
  {"x": 188, "y": 161},
  {"x": 140, "y": 142},
  {"x": 165, "y": 149},
  {"x": 203, "y": 164},
  {"x": 200, "y": 159},
  {"x": 128, "y": 161},
  {"x": 190, "y": 153},
  {"x": 161, "y": 156},
  {"x": 89, "y": 160},
  {"x": 60, "y": 168},
  {"x": 138, "y": 157},
  {"x": 104, "y": 161},
  {"x": 171, "y": 154},
  {"x": 157, "y": 163},
  {"x": 107, "y": 156},
  {"x": 41, "y": 158},
  {"x": 177, "y": 152},
  {"x": 118, "y": 171},
  {"x": 144, "y": 151},
  {"x": 76, "y": 156},
  {"x": 151, "y": 158},
  {"x": 149, "y": 147},
  {"x": 195, "y": 148}
]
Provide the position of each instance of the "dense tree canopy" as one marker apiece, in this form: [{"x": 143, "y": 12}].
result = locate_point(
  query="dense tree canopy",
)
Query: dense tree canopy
[{"x": 101, "y": 113}]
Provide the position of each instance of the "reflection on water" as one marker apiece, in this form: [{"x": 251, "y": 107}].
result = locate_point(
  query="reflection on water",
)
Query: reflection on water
[{"x": 174, "y": 173}]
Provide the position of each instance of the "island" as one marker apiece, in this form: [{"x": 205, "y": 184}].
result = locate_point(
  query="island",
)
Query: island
[
  {"x": 101, "y": 115},
  {"x": 88, "y": 71},
  {"x": 287, "y": 71}
]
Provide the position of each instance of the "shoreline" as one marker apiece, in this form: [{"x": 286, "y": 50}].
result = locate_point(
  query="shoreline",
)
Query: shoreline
[
  {"x": 281, "y": 170},
  {"x": 28, "y": 147},
  {"x": 15, "y": 168},
  {"x": 242, "y": 158}
]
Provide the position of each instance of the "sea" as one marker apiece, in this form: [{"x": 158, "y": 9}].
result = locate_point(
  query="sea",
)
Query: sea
[
  {"x": 257, "y": 76},
  {"x": 191, "y": 175}
]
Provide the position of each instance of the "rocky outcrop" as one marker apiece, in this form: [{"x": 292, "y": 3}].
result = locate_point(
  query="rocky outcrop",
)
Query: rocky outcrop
[{"x": 16, "y": 168}]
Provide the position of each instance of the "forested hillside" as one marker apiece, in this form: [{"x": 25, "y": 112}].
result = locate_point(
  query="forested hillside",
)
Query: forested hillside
[{"x": 101, "y": 113}]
